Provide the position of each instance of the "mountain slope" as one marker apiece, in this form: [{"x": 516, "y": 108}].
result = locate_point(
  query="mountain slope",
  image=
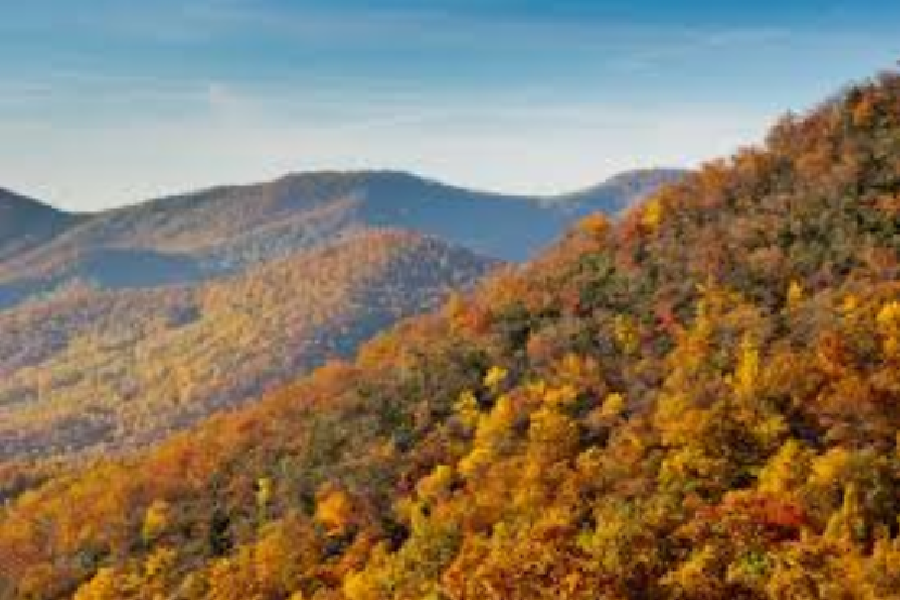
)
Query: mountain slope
[
  {"x": 91, "y": 370},
  {"x": 697, "y": 402},
  {"x": 73, "y": 379},
  {"x": 26, "y": 223},
  {"x": 616, "y": 194},
  {"x": 223, "y": 230}
]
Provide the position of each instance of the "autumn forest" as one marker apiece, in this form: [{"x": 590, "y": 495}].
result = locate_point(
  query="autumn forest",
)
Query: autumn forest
[{"x": 695, "y": 398}]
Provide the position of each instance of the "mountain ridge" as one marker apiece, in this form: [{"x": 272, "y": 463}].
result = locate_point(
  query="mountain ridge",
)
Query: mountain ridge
[
  {"x": 95, "y": 371},
  {"x": 220, "y": 230},
  {"x": 26, "y": 223},
  {"x": 161, "y": 255}
]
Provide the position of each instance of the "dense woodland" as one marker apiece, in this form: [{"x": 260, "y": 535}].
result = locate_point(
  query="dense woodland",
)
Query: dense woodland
[
  {"x": 93, "y": 370},
  {"x": 700, "y": 401}
]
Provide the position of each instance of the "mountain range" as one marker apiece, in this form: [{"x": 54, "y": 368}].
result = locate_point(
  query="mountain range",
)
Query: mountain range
[
  {"x": 196, "y": 236},
  {"x": 123, "y": 326}
]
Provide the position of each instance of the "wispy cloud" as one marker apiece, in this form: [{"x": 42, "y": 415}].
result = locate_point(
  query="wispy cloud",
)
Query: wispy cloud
[
  {"x": 126, "y": 100},
  {"x": 336, "y": 25},
  {"x": 504, "y": 144}
]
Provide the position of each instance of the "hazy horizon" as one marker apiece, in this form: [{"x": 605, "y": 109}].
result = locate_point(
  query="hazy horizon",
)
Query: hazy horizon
[
  {"x": 121, "y": 103},
  {"x": 374, "y": 170}
]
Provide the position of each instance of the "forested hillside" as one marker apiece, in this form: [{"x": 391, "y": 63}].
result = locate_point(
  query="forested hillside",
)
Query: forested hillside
[
  {"x": 118, "y": 327},
  {"x": 698, "y": 402},
  {"x": 91, "y": 370}
]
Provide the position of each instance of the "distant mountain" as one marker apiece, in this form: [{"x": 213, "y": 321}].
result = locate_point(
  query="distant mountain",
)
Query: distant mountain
[
  {"x": 197, "y": 236},
  {"x": 617, "y": 193},
  {"x": 26, "y": 223},
  {"x": 104, "y": 316},
  {"x": 92, "y": 369}
]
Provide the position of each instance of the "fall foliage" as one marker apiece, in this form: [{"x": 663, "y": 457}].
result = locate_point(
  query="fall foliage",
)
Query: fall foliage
[
  {"x": 700, "y": 401},
  {"x": 94, "y": 371}
]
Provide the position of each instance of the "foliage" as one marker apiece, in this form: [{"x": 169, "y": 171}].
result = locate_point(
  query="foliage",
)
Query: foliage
[
  {"x": 95, "y": 371},
  {"x": 700, "y": 401}
]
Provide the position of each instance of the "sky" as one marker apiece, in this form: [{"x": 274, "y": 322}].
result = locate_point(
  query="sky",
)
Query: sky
[{"x": 109, "y": 102}]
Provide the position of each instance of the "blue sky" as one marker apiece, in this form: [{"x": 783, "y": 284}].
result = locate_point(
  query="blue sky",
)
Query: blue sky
[{"x": 106, "y": 102}]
